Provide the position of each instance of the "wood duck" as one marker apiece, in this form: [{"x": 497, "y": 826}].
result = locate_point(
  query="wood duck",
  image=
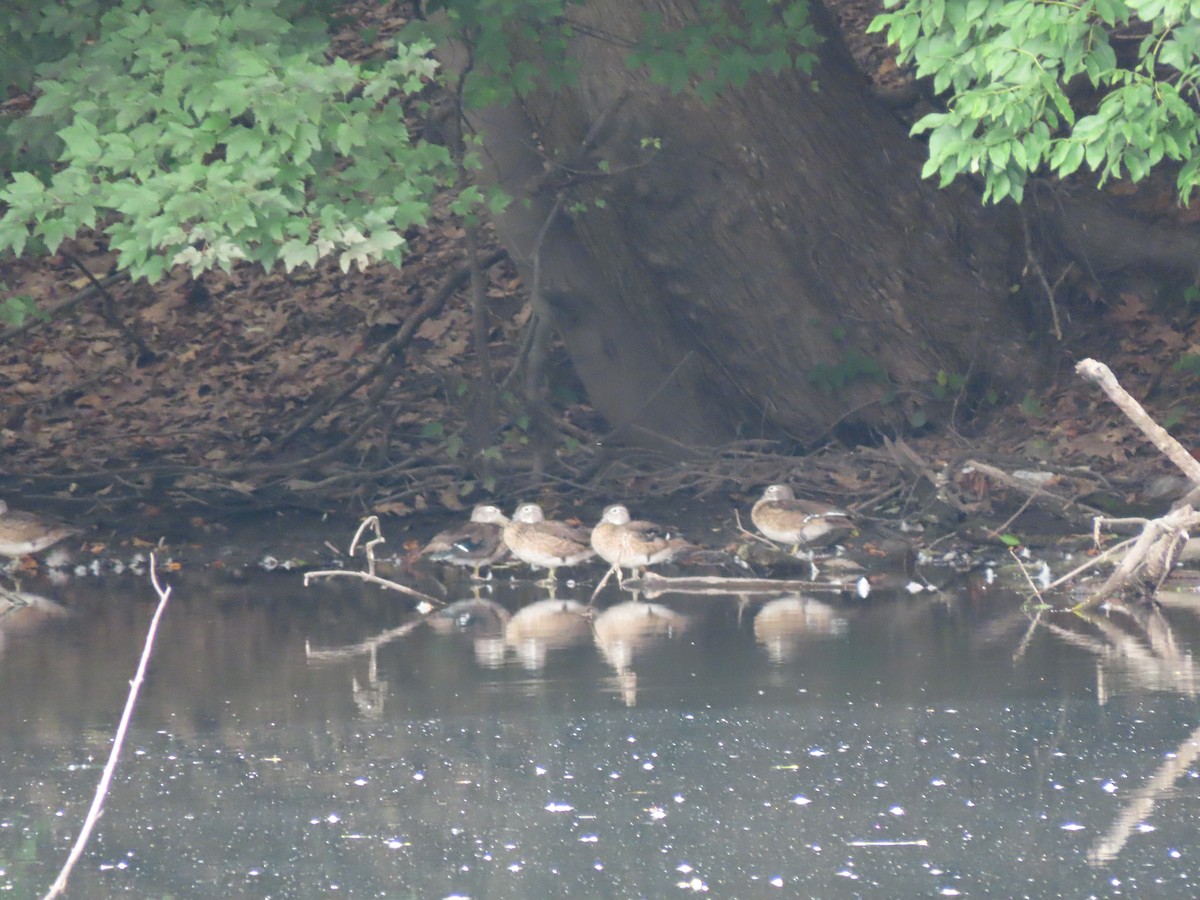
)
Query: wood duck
[
  {"x": 475, "y": 544},
  {"x": 22, "y": 533},
  {"x": 633, "y": 544},
  {"x": 783, "y": 518},
  {"x": 543, "y": 543}
]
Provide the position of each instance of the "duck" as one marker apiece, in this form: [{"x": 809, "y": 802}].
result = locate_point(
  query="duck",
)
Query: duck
[
  {"x": 544, "y": 543},
  {"x": 23, "y": 534},
  {"x": 634, "y": 544},
  {"x": 783, "y": 518},
  {"x": 475, "y": 544}
]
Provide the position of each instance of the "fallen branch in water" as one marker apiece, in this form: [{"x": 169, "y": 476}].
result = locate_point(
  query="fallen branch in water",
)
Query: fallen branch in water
[
  {"x": 368, "y": 546},
  {"x": 93, "y": 816},
  {"x": 1157, "y": 548}
]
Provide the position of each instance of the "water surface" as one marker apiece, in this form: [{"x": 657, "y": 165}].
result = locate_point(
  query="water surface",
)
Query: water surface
[{"x": 296, "y": 742}]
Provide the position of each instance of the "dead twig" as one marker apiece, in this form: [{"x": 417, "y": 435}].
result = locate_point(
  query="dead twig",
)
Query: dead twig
[
  {"x": 1064, "y": 506},
  {"x": 108, "y": 309},
  {"x": 93, "y": 816},
  {"x": 1090, "y": 564},
  {"x": 1032, "y": 262},
  {"x": 371, "y": 522},
  {"x": 1028, "y": 580}
]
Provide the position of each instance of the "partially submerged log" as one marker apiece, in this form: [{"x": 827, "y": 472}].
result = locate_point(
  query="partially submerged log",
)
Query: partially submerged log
[{"x": 1155, "y": 552}]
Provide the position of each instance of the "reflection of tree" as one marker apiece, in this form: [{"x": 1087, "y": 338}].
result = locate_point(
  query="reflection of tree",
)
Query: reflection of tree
[
  {"x": 369, "y": 697},
  {"x": 1140, "y": 647},
  {"x": 1138, "y": 808}
]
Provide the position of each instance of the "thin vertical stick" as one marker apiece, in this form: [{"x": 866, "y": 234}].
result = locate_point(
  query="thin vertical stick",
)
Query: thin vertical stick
[{"x": 93, "y": 816}]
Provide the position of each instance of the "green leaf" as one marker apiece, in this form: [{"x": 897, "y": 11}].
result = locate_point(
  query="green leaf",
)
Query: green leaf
[
  {"x": 81, "y": 140},
  {"x": 200, "y": 27}
]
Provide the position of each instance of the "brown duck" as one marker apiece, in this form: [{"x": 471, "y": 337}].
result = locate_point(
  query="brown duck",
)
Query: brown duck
[
  {"x": 544, "y": 543},
  {"x": 475, "y": 544},
  {"x": 22, "y": 533},
  {"x": 633, "y": 544},
  {"x": 783, "y": 518}
]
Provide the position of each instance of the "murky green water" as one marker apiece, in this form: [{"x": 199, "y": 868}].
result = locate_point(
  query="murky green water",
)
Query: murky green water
[{"x": 296, "y": 742}]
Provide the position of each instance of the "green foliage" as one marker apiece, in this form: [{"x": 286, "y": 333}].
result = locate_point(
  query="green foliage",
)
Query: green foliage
[
  {"x": 500, "y": 35},
  {"x": 719, "y": 50},
  {"x": 16, "y": 309},
  {"x": 205, "y": 132},
  {"x": 1032, "y": 406},
  {"x": 202, "y": 134},
  {"x": 853, "y": 365},
  {"x": 947, "y": 384},
  {"x": 1174, "y": 416},
  {"x": 35, "y": 33},
  {"x": 1016, "y": 72}
]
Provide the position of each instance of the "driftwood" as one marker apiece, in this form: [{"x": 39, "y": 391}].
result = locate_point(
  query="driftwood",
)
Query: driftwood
[
  {"x": 372, "y": 523},
  {"x": 1157, "y": 548}
]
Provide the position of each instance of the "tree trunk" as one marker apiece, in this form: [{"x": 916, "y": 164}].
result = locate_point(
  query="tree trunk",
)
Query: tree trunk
[{"x": 778, "y": 267}]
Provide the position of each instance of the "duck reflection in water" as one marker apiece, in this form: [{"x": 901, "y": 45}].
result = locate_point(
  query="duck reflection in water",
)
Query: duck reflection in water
[
  {"x": 783, "y": 626},
  {"x": 546, "y": 625},
  {"x": 628, "y": 630},
  {"x": 482, "y": 621}
]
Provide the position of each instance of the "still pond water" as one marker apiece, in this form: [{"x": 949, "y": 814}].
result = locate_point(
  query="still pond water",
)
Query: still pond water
[{"x": 294, "y": 742}]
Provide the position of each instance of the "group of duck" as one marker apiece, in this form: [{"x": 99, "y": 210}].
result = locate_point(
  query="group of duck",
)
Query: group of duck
[{"x": 620, "y": 540}]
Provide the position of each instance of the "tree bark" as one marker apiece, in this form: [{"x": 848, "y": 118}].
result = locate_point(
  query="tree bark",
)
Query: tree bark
[{"x": 777, "y": 268}]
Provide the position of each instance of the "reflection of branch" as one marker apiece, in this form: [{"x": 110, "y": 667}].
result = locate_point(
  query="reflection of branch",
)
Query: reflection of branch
[
  {"x": 1156, "y": 664},
  {"x": 1140, "y": 806},
  {"x": 347, "y": 651},
  {"x": 1028, "y": 636},
  {"x": 654, "y": 584}
]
